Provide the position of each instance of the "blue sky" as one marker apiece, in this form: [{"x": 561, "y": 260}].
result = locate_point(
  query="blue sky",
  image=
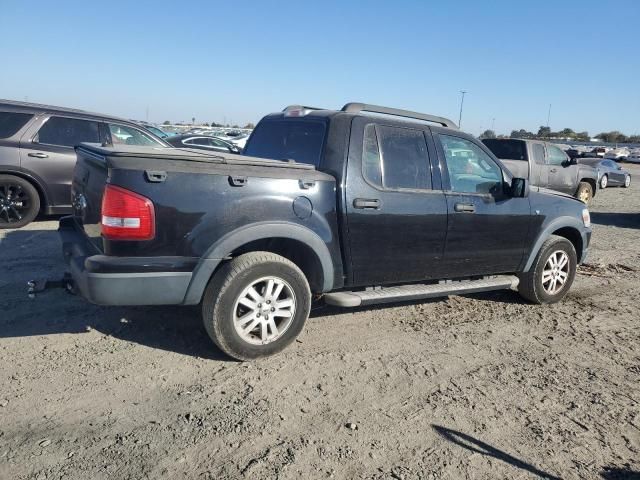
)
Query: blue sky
[{"x": 240, "y": 60}]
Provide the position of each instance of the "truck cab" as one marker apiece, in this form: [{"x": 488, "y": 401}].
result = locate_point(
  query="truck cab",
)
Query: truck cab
[{"x": 546, "y": 165}]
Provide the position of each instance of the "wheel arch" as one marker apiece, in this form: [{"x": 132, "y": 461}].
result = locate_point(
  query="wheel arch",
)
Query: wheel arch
[
  {"x": 592, "y": 182},
  {"x": 33, "y": 180},
  {"x": 297, "y": 243},
  {"x": 566, "y": 227}
]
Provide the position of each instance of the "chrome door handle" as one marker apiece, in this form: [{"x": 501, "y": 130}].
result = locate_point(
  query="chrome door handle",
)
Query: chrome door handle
[
  {"x": 464, "y": 207},
  {"x": 553, "y": 170},
  {"x": 38, "y": 155},
  {"x": 366, "y": 203}
]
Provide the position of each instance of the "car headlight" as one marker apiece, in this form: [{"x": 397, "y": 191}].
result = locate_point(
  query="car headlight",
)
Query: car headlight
[{"x": 586, "y": 218}]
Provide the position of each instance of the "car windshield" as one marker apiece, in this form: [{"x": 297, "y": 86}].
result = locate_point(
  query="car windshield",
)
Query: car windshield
[
  {"x": 299, "y": 140},
  {"x": 507, "y": 149}
]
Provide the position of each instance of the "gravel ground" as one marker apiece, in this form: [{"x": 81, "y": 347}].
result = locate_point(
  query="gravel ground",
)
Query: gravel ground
[{"x": 482, "y": 386}]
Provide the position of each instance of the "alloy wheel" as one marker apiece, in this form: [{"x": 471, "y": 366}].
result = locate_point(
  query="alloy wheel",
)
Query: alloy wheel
[
  {"x": 14, "y": 203},
  {"x": 555, "y": 272},
  {"x": 264, "y": 310}
]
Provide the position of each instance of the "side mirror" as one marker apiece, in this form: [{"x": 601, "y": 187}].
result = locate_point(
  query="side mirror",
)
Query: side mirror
[{"x": 519, "y": 188}]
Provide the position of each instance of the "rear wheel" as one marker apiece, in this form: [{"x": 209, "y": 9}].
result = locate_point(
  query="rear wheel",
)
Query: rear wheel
[
  {"x": 256, "y": 305},
  {"x": 552, "y": 273},
  {"x": 19, "y": 202},
  {"x": 585, "y": 192},
  {"x": 604, "y": 181}
]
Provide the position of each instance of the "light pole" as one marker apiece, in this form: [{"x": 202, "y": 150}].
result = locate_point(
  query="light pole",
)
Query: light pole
[
  {"x": 548, "y": 115},
  {"x": 463, "y": 92},
  {"x": 493, "y": 124}
]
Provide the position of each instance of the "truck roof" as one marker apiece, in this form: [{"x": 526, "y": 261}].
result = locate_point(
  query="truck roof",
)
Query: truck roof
[{"x": 357, "y": 108}]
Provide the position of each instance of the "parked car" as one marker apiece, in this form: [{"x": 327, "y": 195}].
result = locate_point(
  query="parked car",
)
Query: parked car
[
  {"x": 353, "y": 208},
  {"x": 618, "y": 154},
  {"x": 634, "y": 156},
  {"x": 597, "y": 152},
  {"x": 610, "y": 174},
  {"x": 37, "y": 155},
  {"x": 545, "y": 165},
  {"x": 203, "y": 142},
  {"x": 157, "y": 131}
]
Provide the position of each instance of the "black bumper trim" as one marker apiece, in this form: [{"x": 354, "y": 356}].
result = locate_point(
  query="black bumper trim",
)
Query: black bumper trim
[{"x": 105, "y": 280}]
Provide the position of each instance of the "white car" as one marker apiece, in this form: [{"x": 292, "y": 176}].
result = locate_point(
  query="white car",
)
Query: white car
[
  {"x": 617, "y": 153},
  {"x": 634, "y": 156}
]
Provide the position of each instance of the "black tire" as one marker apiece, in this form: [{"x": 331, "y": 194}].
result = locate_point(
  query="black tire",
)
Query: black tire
[
  {"x": 531, "y": 286},
  {"x": 625, "y": 184},
  {"x": 19, "y": 202},
  {"x": 584, "y": 192},
  {"x": 227, "y": 286},
  {"x": 604, "y": 181}
]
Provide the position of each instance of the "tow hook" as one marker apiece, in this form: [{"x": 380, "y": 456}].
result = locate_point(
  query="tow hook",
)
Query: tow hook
[{"x": 38, "y": 286}]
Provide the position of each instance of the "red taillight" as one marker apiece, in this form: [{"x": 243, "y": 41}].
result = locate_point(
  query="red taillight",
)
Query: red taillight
[{"x": 127, "y": 215}]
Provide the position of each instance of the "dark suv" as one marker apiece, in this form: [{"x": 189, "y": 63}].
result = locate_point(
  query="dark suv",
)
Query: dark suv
[{"x": 37, "y": 155}]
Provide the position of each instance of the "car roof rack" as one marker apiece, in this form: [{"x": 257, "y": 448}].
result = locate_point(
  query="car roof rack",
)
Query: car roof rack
[
  {"x": 364, "y": 107},
  {"x": 300, "y": 107}
]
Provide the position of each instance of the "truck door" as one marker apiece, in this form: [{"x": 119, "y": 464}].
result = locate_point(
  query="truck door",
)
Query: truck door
[
  {"x": 563, "y": 176},
  {"x": 487, "y": 229},
  {"x": 537, "y": 164},
  {"x": 396, "y": 210}
]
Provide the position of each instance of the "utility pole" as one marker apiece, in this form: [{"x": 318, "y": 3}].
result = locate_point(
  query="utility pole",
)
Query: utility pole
[
  {"x": 493, "y": 123},
  {"x": 548, "y": 115},
  {"x": 463, "y": 92}
]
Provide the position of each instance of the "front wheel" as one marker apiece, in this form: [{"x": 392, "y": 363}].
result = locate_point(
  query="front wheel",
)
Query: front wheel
[
  {"x": 256, "y": 305},
  {"x": 627, "y": 181},
  {"x": 584, "y": 192},
  {"x": 604, "y": 181},
  {"x": 552, "y": 273}
]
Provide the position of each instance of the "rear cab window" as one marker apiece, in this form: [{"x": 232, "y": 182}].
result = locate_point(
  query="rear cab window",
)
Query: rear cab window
[
  {"x": 507, "y": 149},
  {"x": 279, "y": 139},
  {"x": 11, "y": 122}
]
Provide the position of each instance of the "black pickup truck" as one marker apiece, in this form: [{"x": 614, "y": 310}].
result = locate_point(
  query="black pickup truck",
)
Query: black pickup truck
[{"x": 346, "y": 206}]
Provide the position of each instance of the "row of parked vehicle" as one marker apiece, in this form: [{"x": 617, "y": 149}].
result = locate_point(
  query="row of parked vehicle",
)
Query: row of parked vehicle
[
  {"x": 357, "y": 206},
  {"x": 619, "y": 154}
]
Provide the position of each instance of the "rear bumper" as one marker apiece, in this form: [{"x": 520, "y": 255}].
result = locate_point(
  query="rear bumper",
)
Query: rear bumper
[{"x": 106, "y": 280}]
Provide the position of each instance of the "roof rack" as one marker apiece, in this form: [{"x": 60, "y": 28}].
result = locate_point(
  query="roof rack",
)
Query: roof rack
[
  {"x": 300, "y": 107},
  {"x": 364, "y": 107}
]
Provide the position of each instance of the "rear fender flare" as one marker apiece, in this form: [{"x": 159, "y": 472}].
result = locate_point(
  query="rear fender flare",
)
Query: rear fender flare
[{"x": 220, "y": 251}]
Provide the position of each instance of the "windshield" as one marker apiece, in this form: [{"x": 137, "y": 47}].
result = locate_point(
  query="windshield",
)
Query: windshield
[
  {"x": 287, "y": 140},
  {"x": 507, "y": 149}
]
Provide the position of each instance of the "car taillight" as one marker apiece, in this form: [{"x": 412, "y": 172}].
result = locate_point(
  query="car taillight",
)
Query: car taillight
[{"x": 127, "y": 215}]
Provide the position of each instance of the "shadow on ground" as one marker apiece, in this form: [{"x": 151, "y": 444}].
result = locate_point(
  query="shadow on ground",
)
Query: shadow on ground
[
  {"x": 614, "y": 473},
  {"x": 477, "y": 446},
  {"x": 623, "y": 220}
]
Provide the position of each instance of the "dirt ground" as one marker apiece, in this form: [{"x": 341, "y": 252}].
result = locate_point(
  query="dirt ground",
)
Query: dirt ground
[{"x": 483, "y": 386}]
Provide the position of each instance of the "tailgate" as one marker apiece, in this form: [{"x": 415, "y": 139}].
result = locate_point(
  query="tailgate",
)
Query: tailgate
[{"x": 89, "y": 181}]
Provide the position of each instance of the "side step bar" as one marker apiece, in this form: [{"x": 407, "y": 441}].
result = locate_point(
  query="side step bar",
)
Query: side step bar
[{"x": 406, "y": 293}]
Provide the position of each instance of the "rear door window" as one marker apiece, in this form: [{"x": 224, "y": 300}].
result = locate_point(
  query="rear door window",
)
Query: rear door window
[
  {"x": 11, "y": 122},
  {"x": 301, "y": 141},
  {"x": 68, "y": 132},
  {"x": 538, "y": 153},
  {"x": 404, "y": 158}
]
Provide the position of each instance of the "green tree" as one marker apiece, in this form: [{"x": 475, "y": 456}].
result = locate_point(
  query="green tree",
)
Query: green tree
[
  {"x": 567, "y": 133},
  {"x": 522, "y": 133},
  {"x": 488, "y": 134},
  {"x": 544, "y": 132},
  {"x": 583, "y": 136},
  {"x": 250, "y": 126},
  {"x": 166, "y": 122}
]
